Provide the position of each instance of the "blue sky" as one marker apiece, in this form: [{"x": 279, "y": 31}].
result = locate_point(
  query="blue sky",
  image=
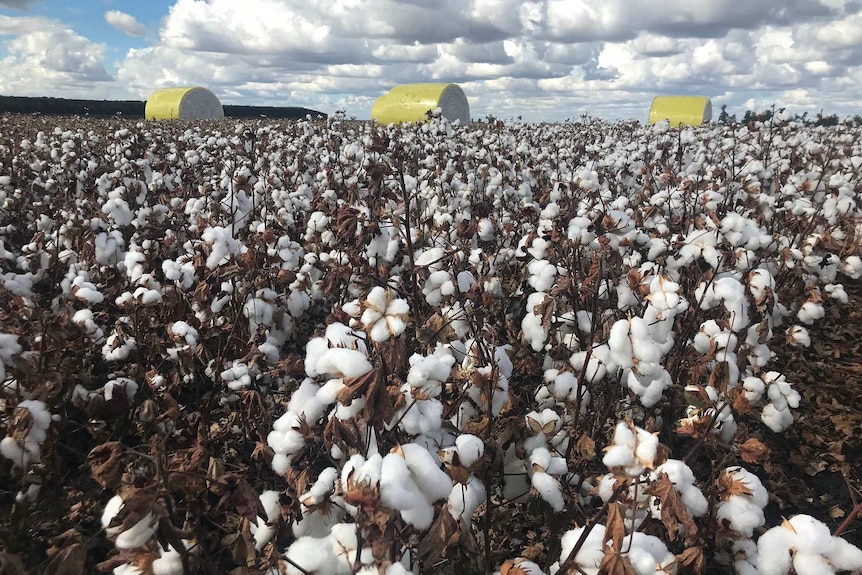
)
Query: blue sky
[{"x": 544, "y": 60}]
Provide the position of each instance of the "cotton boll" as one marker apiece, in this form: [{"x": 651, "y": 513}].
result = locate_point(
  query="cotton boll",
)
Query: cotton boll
[
  {"x": 853, "y": 267},
  {"x": 591, "y": 553},
  {"x": 810, "y": 312},
  {"x": 138, "y": 534},
  {"x": 170, "y": 562},
  {"x": 798, "y": 336},
  {"x": 542, "y": 275},
  {"x": 465, "y": 499},
  {"x": 836, "y": 292},
  {"x": 426, "y": 472},
  {"x": 341, "y": 362},
  {"x": 313, "y": 555},
  {"x": 470, "y": 449},
  {"x": 548, "y": 489},
  {"x": 531, "y": 325},
  {"x": 112, "y": 509}
]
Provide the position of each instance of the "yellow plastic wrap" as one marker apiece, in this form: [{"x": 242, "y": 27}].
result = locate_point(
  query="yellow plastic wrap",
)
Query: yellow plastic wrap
[
  {"x": 681, "y": 110},
  {"x": 189, "y": 102},
  {"x": 411, "y": 103}
]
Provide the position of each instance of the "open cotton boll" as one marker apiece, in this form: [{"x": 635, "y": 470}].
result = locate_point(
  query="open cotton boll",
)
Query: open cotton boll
[
  {"x": 548, "y": 489},
  {"x": 118, "y": 347},
  {"x": 465, "y": 499},
  {"x": 127, "y": 386},
  {"x": 425, "y": 469},
  {"x": 312, "y": 555},
  {"x": 543, "y": 274},
  {"x": 22, "y": 452},
  {"x": 340, "y": 362},
  {"x": 138, "y": 534},
  {"x": 589, "y": 556},
  {"x": 632, "y": 451},
  {"x": 169, "y": 562},
  {"x": 798, "y": 336},
  {"x": 222, "y": 245},
  {"x": 470, "y": 449},
  {"x": 836, "y": 292},
  {"x": 743, "y": 499},
  {"x": 383, "y": 314},
  {"x": 86, "y": 291},
  {"x": 531, "y": 325},
  {"x": 264, "y": 528},
  {"x": 810, "y": 312},
  {"x": 806, "y": 545},
  {"x": 683, "y": 481},
  {"x": 852, "y": 267},
  {"x": 438, "y": 285}
]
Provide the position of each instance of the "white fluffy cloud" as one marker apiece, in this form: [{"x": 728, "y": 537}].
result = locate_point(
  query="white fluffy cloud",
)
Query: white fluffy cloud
[
  {"x": 44, "y": 57},
  {"x": 125, "y": 23},
  {"x": 543, "y": 59}
]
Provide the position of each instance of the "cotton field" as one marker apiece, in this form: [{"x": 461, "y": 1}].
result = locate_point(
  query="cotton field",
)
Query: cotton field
[{"x": 334, "y": 347}]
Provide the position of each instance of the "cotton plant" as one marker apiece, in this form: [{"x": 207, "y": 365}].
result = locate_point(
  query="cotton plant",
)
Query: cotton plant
[
  {"x": 479, "y": 376},
  {"x": 632, "y": 349},
  {"x": 263, "y": 529},
  {"x": 381, "y": 314},
  {"x": 742, "y": 498},
  {"x": 27, "y": 432},
  {"x": 647, "y": 554},
  {"x": 411, "y": 481},
  {"x": 422, "y": 411},
  {"x": 132, "y": 536},
  {"x": 804, "y": 545},
  {"x": 333, "y": 554},
  {"x": 632, "y": 451},
  {"x": 532, "y": 325},
  {"x": 467, "y": 494},
  {"x": 782, "y": 397}
]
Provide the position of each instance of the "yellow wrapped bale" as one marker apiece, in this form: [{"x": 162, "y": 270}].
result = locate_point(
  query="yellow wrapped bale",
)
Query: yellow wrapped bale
[
  {"x": 187, "y": 103},
  {"x": 681, "y": 110},
  {"x": 411, "y": 103}
]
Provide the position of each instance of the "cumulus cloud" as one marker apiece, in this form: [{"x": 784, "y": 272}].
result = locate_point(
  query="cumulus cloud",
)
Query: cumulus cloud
[
  {"x": 125, "y": 23},
  {"x": 543, "y": 59},
  {"x": 45, "y": 57}
]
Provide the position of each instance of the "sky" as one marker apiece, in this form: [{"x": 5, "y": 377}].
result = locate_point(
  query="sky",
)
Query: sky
[{"x": 541, "y": 60}]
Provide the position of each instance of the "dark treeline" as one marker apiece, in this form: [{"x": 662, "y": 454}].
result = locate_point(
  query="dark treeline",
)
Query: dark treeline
[{"x": 133, "y": 108}]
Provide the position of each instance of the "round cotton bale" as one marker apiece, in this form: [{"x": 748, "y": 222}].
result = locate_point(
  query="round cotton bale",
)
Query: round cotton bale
[
  {"x": 186, "y": 103},
  {"x": 681, "y": 110},
  {"x": 412, "y": 102}
]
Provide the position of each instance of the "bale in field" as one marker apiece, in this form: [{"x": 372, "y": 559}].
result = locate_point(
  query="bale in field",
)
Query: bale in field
[
  {"x": 681, "y": 110},
  {"x": 411, "y": 103},
  {"x": 187, "y": 103}
]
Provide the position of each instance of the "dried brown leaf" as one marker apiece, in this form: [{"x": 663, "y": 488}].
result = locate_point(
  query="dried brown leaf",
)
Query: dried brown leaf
[
  {"x": 106, "y": 464},
  {"x": 691, "y": 561},
  {"x": 615, "y": 530},
  {"x": 754, "y": 451},
  {"x": 673, "y": 512}
]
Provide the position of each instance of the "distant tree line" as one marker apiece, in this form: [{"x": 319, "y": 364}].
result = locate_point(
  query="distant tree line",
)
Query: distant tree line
[
  {"x": 133, "y": 108},
  {"x": 820, "y": 119}
]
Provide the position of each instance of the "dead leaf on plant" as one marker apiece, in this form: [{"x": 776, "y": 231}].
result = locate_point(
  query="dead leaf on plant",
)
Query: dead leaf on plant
[
  {"x": 692, "y": 561},
  {"x": 673, "y": 512},
  {"x": 754, "y": 451},
  {"x": 106, "y": 464}
]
